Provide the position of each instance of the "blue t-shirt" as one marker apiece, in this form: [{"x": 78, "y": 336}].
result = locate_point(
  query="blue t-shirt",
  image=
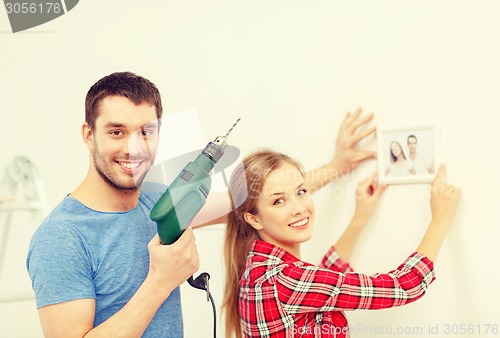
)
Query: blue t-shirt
[{"x": 81, "y": 253}]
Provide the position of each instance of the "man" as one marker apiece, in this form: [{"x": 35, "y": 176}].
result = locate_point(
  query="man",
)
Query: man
[
  {"x": 421, "y": 165},
  {"x": 97, "y": 266}
]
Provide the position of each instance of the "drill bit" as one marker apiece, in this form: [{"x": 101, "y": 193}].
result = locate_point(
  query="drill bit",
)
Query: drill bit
[{"x": 234, "y": 125}]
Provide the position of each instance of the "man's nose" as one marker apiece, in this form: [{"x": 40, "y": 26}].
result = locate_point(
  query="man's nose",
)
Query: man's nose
[{"x": 134, "y": 144}]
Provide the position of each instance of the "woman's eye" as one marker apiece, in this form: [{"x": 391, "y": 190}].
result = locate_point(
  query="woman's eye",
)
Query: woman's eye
[
  {"x": 279, "y": 201},
  {"x": 302, "y": 191}
]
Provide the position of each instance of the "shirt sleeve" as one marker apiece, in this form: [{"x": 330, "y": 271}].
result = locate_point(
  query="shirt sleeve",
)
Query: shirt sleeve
[
  {"x": 334, "y": 262},
  {"x": 59, "y": 265},
  {"x": 306, "y": 288}
]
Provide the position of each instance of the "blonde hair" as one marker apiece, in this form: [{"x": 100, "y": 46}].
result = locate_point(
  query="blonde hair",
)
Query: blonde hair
[{"x": 245, "y": 186}]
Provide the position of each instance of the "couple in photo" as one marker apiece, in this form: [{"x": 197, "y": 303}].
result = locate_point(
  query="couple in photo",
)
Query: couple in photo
[{"x": 413, "y": 164}]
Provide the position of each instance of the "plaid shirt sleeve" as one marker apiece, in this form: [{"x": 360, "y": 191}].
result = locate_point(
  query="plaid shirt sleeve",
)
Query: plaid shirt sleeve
[
  {"x": 334, "y": 262},
  {"x": 305, "y": 288}
]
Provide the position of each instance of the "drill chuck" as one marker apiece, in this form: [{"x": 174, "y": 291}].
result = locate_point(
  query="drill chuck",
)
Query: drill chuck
[{"x": 214, "y": 150}]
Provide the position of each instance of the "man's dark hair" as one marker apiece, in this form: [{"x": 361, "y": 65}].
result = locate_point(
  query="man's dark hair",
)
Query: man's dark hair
[
  {"x": 134, "y": 87},
  {"x": 411, "y": 136}
]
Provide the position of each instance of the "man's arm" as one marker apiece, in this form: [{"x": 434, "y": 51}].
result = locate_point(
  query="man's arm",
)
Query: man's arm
[
  {"x": 170, "y": 265},
  {"x": 347, "y": 156},
  {"x": 430, "y": 167},
  {"x": 76, "y": 318}
]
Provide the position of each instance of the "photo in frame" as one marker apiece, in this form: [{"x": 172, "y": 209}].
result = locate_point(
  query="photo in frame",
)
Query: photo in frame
[{"x": 409, "y": 154}]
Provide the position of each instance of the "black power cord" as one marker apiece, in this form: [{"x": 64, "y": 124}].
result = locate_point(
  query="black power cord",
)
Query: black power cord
[{"x": 202, "y": 282}]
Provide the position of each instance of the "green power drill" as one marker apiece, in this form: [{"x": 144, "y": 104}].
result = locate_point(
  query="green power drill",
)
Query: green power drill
[{"x": 185, "y": 197}]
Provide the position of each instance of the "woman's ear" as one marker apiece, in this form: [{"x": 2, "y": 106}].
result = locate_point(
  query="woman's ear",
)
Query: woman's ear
[
  {"x": 88, "y": 136},
  {"x": 253, "y": 221}
]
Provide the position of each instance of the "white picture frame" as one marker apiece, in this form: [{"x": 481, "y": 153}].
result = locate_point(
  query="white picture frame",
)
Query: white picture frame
[{"x": 419, "y": 158}]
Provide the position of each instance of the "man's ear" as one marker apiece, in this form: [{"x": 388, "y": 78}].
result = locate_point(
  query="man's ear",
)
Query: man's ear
[
  {"x": 88, "y": 136},
  {"x": 253, "y": 221}
]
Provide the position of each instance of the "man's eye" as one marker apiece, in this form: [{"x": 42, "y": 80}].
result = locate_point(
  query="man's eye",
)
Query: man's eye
[
  {"x": 116, "y": 132},
  {"x": 146, "y": 133}
]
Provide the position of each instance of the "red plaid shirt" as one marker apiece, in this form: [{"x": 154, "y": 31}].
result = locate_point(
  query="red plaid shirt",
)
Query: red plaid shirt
[{"x": 282, "y": 296}]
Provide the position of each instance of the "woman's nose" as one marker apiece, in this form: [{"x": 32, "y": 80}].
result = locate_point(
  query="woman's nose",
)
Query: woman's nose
[{"x": 298, "y": 207}]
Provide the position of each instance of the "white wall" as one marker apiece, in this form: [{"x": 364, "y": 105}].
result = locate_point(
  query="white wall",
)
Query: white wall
[{"x": 290, "y": 69}]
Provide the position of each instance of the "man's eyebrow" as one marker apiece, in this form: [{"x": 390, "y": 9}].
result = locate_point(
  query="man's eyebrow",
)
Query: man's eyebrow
[
  {"x": 152, "y": 124},
  {"x": 114, "y": 125}
]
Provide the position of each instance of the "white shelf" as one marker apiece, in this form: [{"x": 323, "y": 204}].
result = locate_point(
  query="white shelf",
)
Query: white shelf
[{"x": 36, "y": 208}]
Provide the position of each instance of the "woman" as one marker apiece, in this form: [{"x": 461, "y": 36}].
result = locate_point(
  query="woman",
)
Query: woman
[
  {"x": 398, "y": 164},
  {"x": 270, "y": 292}
]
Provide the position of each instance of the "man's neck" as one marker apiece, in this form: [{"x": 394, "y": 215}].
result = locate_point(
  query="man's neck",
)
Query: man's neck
[
  {"x": 98, "y": 195},
  {"x": 413, "y": 156}
]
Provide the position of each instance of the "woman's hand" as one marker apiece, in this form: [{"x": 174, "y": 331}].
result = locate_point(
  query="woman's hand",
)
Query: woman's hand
[
  {"x": 444, "y": 199},
  {"x": 368, "y": 194},
  {"x": 347, "y": 156}
]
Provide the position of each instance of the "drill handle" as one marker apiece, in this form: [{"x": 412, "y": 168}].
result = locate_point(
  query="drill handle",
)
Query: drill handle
[{"x": 182, "y": 201}]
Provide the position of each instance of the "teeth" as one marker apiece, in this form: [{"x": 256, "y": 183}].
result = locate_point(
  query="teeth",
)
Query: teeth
[
  {"x": 300, "y": 223},
  {"x": 129, "y": 165}
]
